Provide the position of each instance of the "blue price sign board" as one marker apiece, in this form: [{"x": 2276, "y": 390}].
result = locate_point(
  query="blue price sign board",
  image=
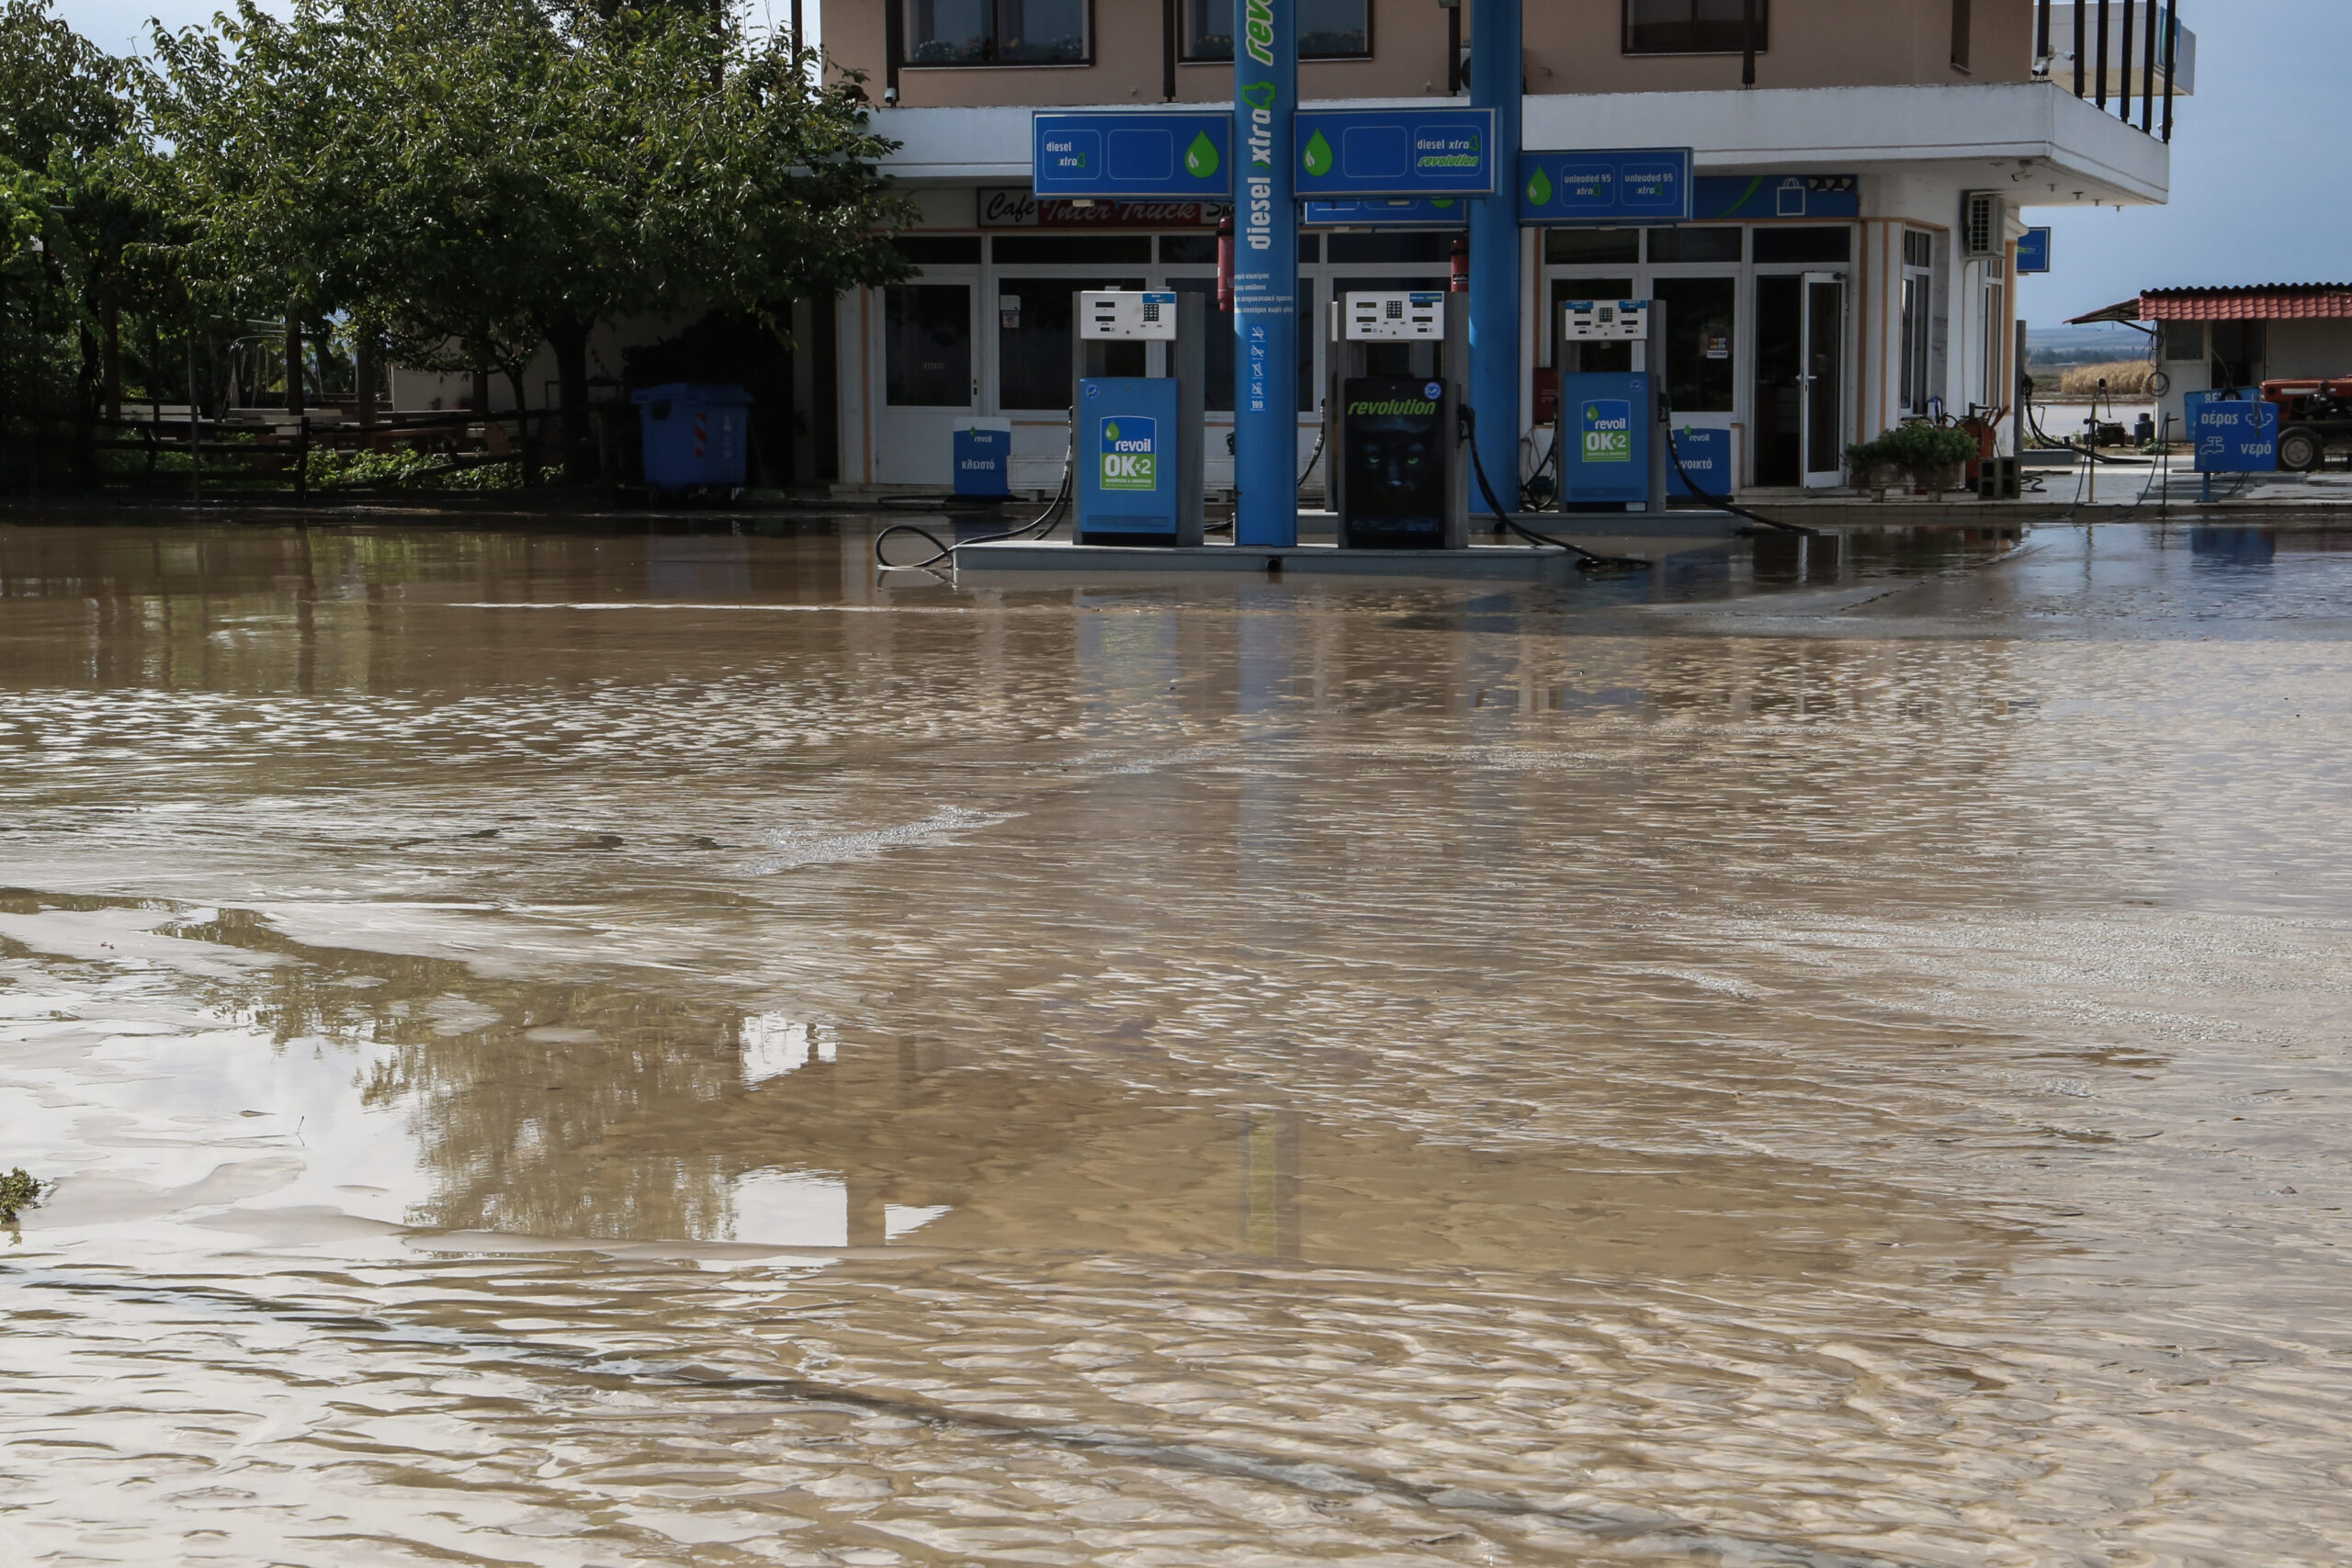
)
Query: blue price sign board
[
  {"x": 1345, "y": 152},
  {"x": 1188, "y": 155},
  {"x": 1643, "y": 185},
  {"x": 2235, "y": 437},
  {"x": 1394, "y": 212},
  {"x": 2033, "y": 251}
]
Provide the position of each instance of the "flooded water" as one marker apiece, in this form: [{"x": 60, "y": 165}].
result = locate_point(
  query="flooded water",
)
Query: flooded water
[{"x": 576, "y": 1047}]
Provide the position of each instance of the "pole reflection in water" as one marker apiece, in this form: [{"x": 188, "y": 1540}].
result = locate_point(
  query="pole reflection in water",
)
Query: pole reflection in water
[{"x": 593, "y": 1046}]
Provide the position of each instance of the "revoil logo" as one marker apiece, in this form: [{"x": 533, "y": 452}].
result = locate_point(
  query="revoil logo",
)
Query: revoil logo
[
  {"x": 1608, "y": 431},
  {"x": 1129, "y": 453}
]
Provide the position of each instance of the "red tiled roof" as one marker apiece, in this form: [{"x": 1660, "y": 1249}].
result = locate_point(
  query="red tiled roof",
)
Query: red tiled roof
[{"x": 2261, "y": 302}]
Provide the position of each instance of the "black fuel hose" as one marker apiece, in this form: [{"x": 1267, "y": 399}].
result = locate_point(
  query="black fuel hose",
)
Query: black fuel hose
[
  {"x": 1586, "y": 559},
  {"x": 1720, "y": 502},
  {"x": 1036, "y": 527}
]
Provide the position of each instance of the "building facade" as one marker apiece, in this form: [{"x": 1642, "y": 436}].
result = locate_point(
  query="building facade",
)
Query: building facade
[{"x": 1851, "y": 265}]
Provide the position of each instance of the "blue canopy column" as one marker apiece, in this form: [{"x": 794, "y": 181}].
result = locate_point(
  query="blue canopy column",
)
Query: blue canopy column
[
  {"x": 1265, "y": 275},
  {"x": 1495, "y": 282}
]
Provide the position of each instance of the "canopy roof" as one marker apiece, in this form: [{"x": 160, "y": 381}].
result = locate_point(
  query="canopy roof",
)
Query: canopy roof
[{"x": 2255, "y": 303}]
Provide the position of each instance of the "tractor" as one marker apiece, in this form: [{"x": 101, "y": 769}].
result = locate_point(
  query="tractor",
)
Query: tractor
[{"x": 2315, "y": 418}]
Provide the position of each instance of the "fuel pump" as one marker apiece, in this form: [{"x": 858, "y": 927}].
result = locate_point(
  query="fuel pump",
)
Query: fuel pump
[
  {"x": 1399, "y": 467},
  {"x": 1136, "y": 440},
  {"x": 1609, "y": 434}
]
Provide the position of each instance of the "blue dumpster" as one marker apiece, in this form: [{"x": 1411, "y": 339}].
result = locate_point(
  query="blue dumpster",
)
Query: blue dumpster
[{"x": 693, "y": 436}]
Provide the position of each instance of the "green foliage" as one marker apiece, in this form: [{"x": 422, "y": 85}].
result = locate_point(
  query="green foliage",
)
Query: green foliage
[
  {"x": 18, "y": 1190},
  {"x": 1916, "y": 448},
  {"x": 403, "y": 469}
]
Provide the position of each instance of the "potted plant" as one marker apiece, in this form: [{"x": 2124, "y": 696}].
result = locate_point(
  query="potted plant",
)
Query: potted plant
[
  {"x": 1936, "y": 457},
  {"x": 1869, "y": 468}
]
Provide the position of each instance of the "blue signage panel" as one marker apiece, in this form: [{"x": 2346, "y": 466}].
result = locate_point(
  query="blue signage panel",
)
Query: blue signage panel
[
  {"x": 1604, "y": 440},
  {"x": 2235, "y": 437},
  {"x": 1391, "y": 213},
  {"x": 983, "y": 462},
  {"x": 1706, "y": 456},
  {"x": 1649, "y": 185},
  {"x": 2033, "y": 251},
  {"x": 1186, "y": 155},
  {"x": 1126, "y": 439},
  {"x": 1726, "y": 197},
  {"x": 1408, "y": 152}
]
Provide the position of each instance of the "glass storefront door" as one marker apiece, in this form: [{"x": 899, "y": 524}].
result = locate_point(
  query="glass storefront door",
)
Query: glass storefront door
[
  {"x": 928, "y": 378},
  {"x": 1825, "y": 380}
]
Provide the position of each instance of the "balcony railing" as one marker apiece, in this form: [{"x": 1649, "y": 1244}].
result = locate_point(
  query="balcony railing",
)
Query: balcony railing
[{"x": 2134, "y": 54}]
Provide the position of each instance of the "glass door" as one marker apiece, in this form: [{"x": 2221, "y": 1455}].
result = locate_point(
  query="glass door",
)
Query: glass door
[
  {"x": 929, "y": 379},
  {"x": 1824, "y": 379}
]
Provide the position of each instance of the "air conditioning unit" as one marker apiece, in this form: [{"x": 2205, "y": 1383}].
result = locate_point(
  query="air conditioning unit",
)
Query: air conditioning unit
[{"x": 1983, "y": 225}]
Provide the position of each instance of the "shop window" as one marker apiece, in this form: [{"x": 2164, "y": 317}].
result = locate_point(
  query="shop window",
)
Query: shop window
[
  {"x": 1694, "y": 27},
  {"x": 1698, "y": 330},
  {"x": 1391, "y": 249},
  {"x": 939, "y": 249},
  {"x": 1804, "y": 245},
  {"x": 1328, "y": 29},
  {"x": 1185, "y": 250},
  {"x": 1592, "y": 246},
  {"x": 995, "y": 32},
  {"x": 1035, "y": 341},
  {"x": 927, "y": 344},
  {"x": 2183, "y": 340},
  {"x": 1720, "y": 243},
  {"x": 1073, "y": 249},
  {"x": 1996, "y": 336},
  {"x": 1919, "y": 318}
]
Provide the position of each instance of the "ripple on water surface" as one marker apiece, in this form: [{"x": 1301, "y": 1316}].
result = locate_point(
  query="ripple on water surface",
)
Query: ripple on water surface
[{"x": 599, "y": 1047}]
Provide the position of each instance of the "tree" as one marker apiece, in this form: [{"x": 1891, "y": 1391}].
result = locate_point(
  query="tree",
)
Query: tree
[{"x": 482, "y": 174}]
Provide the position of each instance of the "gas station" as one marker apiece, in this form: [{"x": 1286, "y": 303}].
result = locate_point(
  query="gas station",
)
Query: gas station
[{"x": 1410, "y": 472}]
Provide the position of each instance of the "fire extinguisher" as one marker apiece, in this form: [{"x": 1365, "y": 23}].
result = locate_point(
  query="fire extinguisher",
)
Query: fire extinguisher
[{"x": 1460, "y": 282}]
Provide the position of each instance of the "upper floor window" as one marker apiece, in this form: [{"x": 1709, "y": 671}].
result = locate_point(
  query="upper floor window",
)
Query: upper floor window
[
  {"x": 1692, "y": 27},
  {"x": 1328, "y": 29},
  {"x": 995, "y": 32}
]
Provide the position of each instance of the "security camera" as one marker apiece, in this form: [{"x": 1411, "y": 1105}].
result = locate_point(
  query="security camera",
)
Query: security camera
[{"x": 890, "y": 96}]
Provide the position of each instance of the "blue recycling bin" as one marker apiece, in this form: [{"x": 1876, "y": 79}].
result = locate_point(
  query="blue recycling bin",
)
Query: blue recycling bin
[{"x": 694, "y": 436}]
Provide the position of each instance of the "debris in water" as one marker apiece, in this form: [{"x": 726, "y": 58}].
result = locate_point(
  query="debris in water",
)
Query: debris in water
[{"x": 18, "y": 1190}]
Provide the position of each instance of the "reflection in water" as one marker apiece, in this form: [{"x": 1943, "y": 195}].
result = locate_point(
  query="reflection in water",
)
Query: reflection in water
[{"x": 645, "y": 1047}]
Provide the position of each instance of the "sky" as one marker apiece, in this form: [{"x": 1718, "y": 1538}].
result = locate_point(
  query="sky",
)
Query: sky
[{"x": 2261, "y": 187}]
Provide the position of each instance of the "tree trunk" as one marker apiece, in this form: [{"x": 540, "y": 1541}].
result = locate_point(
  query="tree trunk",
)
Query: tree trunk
[
  {"x": 524, "y": 443},
  {"x": 569, "y": 342},
  {"x": 293, "y": 364},
  {"x": 363, "y": 358},
  {"x": 110, "y": 363}
]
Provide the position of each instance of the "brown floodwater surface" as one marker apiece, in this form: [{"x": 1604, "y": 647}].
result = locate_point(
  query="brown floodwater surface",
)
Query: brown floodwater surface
[{"x": 583, "y": 1046}]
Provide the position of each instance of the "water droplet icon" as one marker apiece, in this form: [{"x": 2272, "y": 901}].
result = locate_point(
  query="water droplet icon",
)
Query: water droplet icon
[
  {"x": 1200, "y": 158},
  {"x": 1318, "y": 155},
  {"x": 1111, "y": 430},
  {"x": 1539, "y": 189}
]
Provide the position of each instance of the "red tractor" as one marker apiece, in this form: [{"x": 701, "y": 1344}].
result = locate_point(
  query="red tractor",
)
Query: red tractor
[{"x": 2314, "y": 417}]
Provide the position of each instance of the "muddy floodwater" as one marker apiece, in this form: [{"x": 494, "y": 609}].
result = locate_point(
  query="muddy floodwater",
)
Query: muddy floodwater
[{"x": 587, "y": 1046}]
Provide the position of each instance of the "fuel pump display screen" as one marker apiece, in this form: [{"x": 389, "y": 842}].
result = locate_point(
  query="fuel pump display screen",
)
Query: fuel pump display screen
[{"x": 1394, "y": 479}]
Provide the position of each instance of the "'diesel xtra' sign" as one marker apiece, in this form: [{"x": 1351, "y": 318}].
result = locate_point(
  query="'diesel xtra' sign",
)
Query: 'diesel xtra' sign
[
  {"x": 1407, "y": 151},
  {"x": 1170, "y": 155}
]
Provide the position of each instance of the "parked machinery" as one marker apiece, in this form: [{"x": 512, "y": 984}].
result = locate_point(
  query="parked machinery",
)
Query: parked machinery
[{"x": 2314, "y": 419}]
